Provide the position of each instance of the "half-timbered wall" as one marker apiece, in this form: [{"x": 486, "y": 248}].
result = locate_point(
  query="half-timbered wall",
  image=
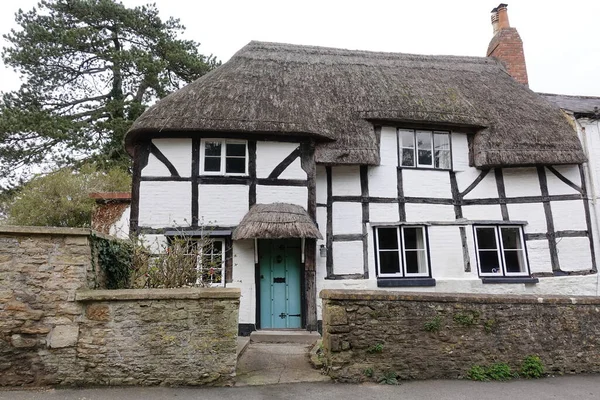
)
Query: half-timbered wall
[
  {"x": 174, "y": 194},
  {"x": 548, "y": 202}
]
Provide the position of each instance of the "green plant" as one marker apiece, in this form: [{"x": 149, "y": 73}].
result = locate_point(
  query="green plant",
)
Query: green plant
[
  {"x": 376, "y": 348},
  {"x": 114, "y": 257},
  {"x": 368, "y": 372},
  {"x": 500, "y": 372},
  {"x": 389, "y": 378},
  {"x": 489, "y": 325},
  {"x": 532, "y": 367},
  {"x": 477, "y": 373},
  {"x": 466, "y": 319},
  {"x": 433, "y": 325}
]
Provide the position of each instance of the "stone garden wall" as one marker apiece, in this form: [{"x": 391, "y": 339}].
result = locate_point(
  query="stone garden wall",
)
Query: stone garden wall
[
  {"x": 55, "y": 331},
  {"x": 367, "y": 334}
]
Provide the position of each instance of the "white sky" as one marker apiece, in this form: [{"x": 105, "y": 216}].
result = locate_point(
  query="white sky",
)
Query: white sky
[{"x": 561, "y": 39}]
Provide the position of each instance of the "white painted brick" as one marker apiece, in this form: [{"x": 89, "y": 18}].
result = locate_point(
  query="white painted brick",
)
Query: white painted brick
[
  {"x": 460, "y": 151},
  {"x": 571, "y": 172},
  {"x": 244, "y": 278},
  {"x": 426, "y": 183},
  {"x": 270, "y": 154},
  {"x": 282, "y": 194},
  {"x": 574, "y": 254},
  {"x": 321, "y": 183},
  {"x": 484, "y": 190},
  {"x": 388, "y": 147},
  {"x": 445, "y": 249},
  {"x": 321, "y": 261},
  {"x": 429, "y": 212},
  {"x": 177, "y": 151},
  {"x": 223, "y": 205},
  {"x": 156, "y": 244},
  {"x": 165, "y": 204},
  {"x": 482, "y": 212},
  {"x": 347, "y": 258},
  {"x": 520, "y": 182},
  {"x": 538, "y": 254},
  {"x": 120, "y": 228},
  {"x": 345, "y": 181},
  {"x": 556, "y": 186},
  {"x": 568, "y": 215},
  {"x": 383, "y": 212},
  {"x": 347, "y": 218},
  {"x": 533, "y": 213},
  {"x": 383, "y": 181}
]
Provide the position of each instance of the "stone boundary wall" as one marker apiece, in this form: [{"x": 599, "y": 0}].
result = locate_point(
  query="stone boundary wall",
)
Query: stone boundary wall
[
  {"x": 369, "y": 333},
  {"x": 53, "y": 331}
]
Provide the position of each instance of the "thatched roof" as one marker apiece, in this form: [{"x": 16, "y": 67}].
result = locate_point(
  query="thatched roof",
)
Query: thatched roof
[
  {"x": 336, "y": 95},
  {"x": 276, "y": 221},
  {"x": 586, "y": 106}
]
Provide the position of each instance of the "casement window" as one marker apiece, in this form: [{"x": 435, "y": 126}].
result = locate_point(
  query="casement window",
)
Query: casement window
[
  {"x": 501, "y": 251},
  {"x": 402, "y": 252},
  {"x": 424, "y": 149},
  {"x": 211, "y": 263},
  {"x": 223, "y": 157}
]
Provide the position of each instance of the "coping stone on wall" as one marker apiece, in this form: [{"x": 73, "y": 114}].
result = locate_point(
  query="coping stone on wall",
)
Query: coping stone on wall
[
  {"x": 157, "y": 294},
  {"x": 381, "y": 295},
  {"x": 50, "y": 230}
]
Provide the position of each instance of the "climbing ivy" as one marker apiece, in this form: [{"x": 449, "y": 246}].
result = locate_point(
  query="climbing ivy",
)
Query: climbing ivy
[{"x": 114, "y": 257}]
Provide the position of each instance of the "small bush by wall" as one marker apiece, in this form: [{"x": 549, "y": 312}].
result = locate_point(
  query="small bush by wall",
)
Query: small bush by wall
[{"x": 429, "y": 335}]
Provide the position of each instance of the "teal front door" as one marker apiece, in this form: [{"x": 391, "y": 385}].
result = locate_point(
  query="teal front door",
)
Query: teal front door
[{"x": 280, "y": 300}]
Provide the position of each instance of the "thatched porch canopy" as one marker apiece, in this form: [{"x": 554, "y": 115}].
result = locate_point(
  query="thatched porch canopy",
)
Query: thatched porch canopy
[
  {"x": 276, "y": 221},
  {"x": 337, "y": 97}
]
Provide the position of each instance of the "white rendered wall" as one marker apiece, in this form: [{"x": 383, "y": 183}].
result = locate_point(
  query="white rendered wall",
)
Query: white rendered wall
[
  {"x": 347, "y": 218},
  {"x": 243, "y": 277},
  {"x": 321, "y": 185},
  {"x": 222, "y": 205},
  {"x": 270, "y": 154},
  {"x": 282, "y": 194},
  {"x": 426, "y": 183},
  {"x": 519, "y": 182},
  {"x": 120, "y": 228},
  {"x": 429, "y": 212},
  {"x": 164, "y": 204},
  {"x": 177, "y": 151},
  {"x": 347, "y": 258},
  {"x": 345, "y": 181}
]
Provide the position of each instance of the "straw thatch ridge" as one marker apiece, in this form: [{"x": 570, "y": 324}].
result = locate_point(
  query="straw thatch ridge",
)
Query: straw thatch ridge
[
  {"x": 336, "y": 95},
  {"x": 276, "y": 221}
]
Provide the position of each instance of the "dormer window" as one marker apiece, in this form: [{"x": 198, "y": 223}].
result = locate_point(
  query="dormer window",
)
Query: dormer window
[
  {"x": 424, "y": 149},
  {"x": 223, "y": 157}
]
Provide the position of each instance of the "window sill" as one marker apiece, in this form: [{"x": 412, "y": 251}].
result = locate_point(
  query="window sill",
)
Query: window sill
[
  {"x": 405, "y": 282},
  {"x": 525, "y": 279}
]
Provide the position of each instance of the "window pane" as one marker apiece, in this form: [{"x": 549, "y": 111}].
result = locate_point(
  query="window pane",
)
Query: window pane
[
  {"x": 235, "y": 165},
  {"x": 212, "y": 149},
  {"x": 413, "y": 238},
  {"x": 389, "y": 262},
  {"x": 424, "y": 146},
  {"x": 407, "y": 139},
  {"x": 425, "y": 157},
  {"x": 212, "y": 164},
  {"x": 236, "y": 149},
  {"x": 416, "y": 262},
  {"x": 217, "y": 247},
  {"x": 511, "y": 238},
  {"x": 408, "y": 157},
  {"x": 514, "y": 261},
  {"x": 486, "y": 238},
  {"x": 441, "y": 141},
  {"x": 442, "y": 159},
  {"x": 388, "y": 238},
  {"x": 488, "y": 262}
]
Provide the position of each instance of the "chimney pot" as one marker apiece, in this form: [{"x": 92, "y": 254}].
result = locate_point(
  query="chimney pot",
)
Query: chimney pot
[{"x": 503, "y": 17}]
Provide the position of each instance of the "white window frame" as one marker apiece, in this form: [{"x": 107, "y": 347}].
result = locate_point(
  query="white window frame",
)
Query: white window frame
[
  {"x": 500, "y": 251},
  {"x": 223, "y": 157},
  {"x": 415, "y": 149},
  {"x": 222, "y": 267},
  {"x": 402, "y": 257}
]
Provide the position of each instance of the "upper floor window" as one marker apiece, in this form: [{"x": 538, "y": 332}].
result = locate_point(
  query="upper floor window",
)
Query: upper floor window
[
  {"x": 424, "y": 149},
  {"x": 402, "y": 252},
  {"x": 501, "y": 251},
  {"x": 223, "y": 157}
]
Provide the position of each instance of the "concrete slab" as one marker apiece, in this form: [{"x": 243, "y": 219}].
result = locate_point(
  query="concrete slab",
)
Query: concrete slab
[
  {"x": 285, "y": 336},
  {"x": 271, "y": 363},
  {"x": 242, "y": 344}
]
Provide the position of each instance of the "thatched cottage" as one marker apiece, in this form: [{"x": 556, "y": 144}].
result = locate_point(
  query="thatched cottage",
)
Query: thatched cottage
[{"x": 319, "y": 168}]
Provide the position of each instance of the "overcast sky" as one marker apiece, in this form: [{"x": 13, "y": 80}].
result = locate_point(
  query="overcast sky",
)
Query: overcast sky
[{"x": 561, "y": 39}]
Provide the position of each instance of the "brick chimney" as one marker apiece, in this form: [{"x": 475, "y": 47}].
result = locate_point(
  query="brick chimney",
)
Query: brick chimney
[{"x": 507, "y": 46}]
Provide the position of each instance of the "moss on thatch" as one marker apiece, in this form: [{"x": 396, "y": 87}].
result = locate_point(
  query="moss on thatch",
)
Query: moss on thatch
[
  {"x": 276, "y": 221},
  {"x": 337, "y": 95}
]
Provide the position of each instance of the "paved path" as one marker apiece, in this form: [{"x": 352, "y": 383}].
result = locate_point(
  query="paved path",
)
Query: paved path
[
  {"x": 270, "y": 363},
  {"x": 580, "y": 387}
]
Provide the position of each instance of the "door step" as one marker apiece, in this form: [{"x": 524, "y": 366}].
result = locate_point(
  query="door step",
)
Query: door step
[{"x": 284, "y": 336}]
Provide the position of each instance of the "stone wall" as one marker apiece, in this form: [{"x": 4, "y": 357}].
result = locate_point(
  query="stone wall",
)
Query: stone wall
[
  {"x": 53, "y": 331},
  {"x": 369, "y": 333}
]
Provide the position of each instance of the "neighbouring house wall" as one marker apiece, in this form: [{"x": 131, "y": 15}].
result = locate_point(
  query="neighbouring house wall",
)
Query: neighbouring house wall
[
  {"x": 473, "y": 330},
  {"x": 53, "y": 333}
]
